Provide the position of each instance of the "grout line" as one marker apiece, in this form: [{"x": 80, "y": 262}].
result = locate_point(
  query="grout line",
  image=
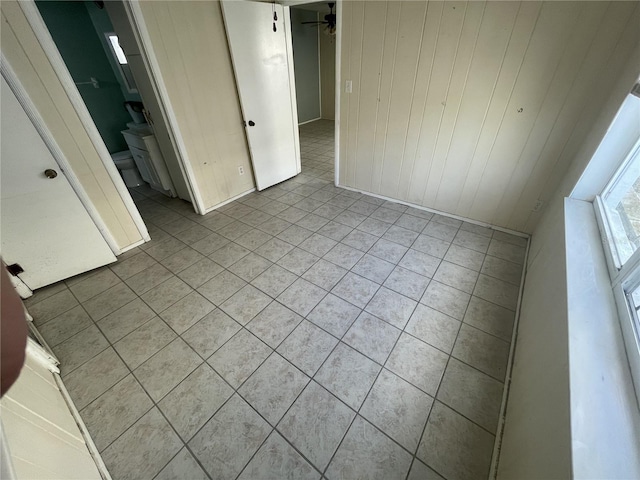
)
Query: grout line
[
  {"x": 435, "y": 397},
  {"x": 313, "y": 186}
]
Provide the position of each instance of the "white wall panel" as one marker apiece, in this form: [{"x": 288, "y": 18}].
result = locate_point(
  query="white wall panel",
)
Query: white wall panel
[
  {"x": 475, "y": 108},
  {"x": 384, "y": 80},
  {"x": 190, "y": 44},
  {"x": 42, "y": 435}
]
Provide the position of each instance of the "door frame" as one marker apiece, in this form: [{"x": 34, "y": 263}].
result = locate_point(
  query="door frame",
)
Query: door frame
[
  {"x": 338, "y": 86},
  {"x": 337, "y": 82},
  {"x": 35, "y": 20},
  {"x": 147, "y": 52}
]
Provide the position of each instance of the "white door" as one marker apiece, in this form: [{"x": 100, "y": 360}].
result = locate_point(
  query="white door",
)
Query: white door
[
  {"x": 43, "y": 225},
  {"x": 262, "y": 61}
]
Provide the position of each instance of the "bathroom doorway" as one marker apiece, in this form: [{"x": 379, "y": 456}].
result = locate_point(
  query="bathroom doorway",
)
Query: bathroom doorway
[{"x": 90, "y": 48}]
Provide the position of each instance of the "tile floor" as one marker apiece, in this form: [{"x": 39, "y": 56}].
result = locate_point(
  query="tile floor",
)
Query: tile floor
[{"x": 305, "y": 331}]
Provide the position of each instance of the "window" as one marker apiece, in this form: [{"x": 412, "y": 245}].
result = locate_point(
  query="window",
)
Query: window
[
  {"x": 117, "y": 49},
  {"x": 121, "y": 60},
  {"x": 621, "y": 201},
  {"x": 618, "y": 213}
]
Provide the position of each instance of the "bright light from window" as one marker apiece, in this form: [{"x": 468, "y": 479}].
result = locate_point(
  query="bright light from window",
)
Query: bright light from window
[
  {"x": 122, "y": 59},
  {"x": 618, "y": 212},
  {"x": 622, "y": 206}
]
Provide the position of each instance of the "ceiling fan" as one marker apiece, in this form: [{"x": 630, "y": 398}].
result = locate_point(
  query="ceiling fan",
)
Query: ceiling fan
[{"x": 329, "y": 21}]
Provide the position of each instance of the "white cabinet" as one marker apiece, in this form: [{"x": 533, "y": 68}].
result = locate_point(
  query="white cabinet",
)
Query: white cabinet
[{"x": 146, "y": 153}]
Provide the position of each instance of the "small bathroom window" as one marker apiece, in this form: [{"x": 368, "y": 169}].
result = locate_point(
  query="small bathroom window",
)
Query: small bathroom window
[{"x": 123, "y": 64}]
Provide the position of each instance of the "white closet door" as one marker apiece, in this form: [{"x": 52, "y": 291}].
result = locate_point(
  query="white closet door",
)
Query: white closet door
[{"x": 262, "y": 61}]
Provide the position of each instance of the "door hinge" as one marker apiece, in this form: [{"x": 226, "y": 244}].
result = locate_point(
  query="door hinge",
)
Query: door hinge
[{"x": 15, "y": 269}]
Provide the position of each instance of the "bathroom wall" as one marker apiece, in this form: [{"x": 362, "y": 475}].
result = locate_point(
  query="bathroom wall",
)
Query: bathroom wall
[
  {"x": 102, "y": 24},
  {"x": 306, "y": 64},
  {"x": 75, "y": 36}
]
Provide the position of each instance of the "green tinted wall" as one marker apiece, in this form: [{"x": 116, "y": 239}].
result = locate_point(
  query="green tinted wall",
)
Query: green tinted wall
[{"x": 83, "y": 53}]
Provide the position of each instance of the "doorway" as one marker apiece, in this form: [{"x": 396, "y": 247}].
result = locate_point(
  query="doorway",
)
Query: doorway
[
  {"x": 314, "y": 38},
  {"x": 110, "y": 88}
]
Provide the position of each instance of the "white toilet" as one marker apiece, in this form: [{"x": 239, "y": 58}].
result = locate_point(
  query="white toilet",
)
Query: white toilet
[{"x": 128, "y": 169}]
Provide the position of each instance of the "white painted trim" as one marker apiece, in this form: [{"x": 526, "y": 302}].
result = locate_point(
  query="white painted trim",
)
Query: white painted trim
[
  {"x": 444, "y": 214},
  {"x": 147, "y": 52},
  {"x": 23, "y": 290},
  {"x": 295, "y": 3},
  {"x": 232, "y": 199},
  {"x": 336, "y": 113},
  {"x": 43, "y": 35},
  {"x": 497, "y": 445},
  {"x": 41, "y": 356},
  {"x": 91, "y": 446},
  {"x": 292, "y": 84},
  {"x": 41, "y": 342},
  {"x": 27, "y": 105},
  {"x": 601, "y": 366},
  {"x": 134, "y": 245},
  {"x": 624, "y": 279},
  {"x": 309, "y": 121},
  {"x": 319, "y": 68}
]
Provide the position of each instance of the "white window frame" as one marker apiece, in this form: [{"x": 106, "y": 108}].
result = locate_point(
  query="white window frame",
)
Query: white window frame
[
  {"x": 625, "y": 277},
  {"x": 128, "y": 86}
]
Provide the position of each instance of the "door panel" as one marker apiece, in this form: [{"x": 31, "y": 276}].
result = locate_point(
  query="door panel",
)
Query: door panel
[
  {"x": 44, "y": 439},
  {"x": 44, "y": 227},
  {"x": 263, "y": 75}
]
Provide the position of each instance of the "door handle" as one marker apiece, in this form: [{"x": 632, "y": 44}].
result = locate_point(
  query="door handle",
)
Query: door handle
[
  {"x": 50, "y": 173},
  {"x": 251, "y": 123}
]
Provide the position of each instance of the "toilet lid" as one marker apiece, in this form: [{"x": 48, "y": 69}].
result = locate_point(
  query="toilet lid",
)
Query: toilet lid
[{"x": 124, "y": 155}]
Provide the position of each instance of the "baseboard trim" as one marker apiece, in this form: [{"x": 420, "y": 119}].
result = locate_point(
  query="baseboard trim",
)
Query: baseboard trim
[
  {"x": 232, "y": 199},
  {"x": 444, "y": 214},
  {"x": 135, "y": 244}
]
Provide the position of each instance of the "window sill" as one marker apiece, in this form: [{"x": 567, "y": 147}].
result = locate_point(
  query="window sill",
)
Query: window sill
[{"x": 605, "y": 419}]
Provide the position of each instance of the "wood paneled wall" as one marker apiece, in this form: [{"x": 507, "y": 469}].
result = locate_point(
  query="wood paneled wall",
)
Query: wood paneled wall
[
  {"x": 475, "y": 108},
  {"x": 42, "y": 436},
  {"x": 189, "y": 40}
]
